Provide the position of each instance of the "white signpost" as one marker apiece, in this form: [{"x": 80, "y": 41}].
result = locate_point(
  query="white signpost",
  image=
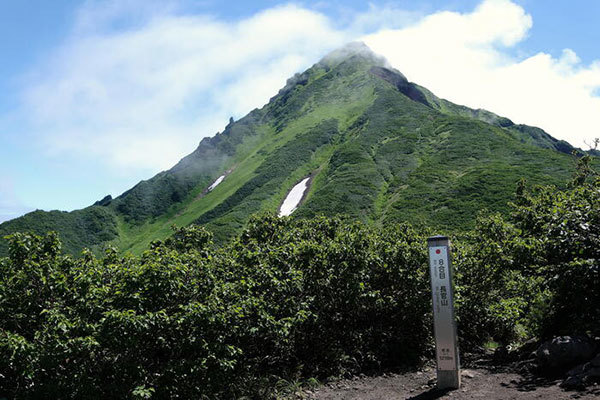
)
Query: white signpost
[{"x": 444, "y": 323}]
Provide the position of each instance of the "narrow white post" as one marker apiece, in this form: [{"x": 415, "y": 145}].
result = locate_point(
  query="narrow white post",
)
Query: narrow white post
[{"x": 444, "y": 323}]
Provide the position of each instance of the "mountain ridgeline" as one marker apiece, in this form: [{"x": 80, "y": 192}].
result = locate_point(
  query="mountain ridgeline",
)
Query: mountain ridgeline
[{"x": 378, "y": 148}]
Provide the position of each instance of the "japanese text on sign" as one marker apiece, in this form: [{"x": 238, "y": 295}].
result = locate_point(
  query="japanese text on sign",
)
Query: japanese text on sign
[{"x": 442, "y": 310}]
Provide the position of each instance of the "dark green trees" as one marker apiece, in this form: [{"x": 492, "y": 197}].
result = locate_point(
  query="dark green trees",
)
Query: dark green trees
[{"x": 287, "y": 300}]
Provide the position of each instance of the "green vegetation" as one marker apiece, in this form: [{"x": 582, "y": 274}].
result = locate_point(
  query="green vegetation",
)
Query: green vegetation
[
  {"x": 272, "y": 172},
  {"x": 286, "y": 300},
  {"x": 91, "y": 227},
  {"x": 289, "y": 300},
  {"x": 155, "y": 197},
  {"x": 339, "y": 288},
  {"x": 381, "y": 150}
]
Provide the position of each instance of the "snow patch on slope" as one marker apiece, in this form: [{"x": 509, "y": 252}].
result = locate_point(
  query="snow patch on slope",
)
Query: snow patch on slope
[
  {"x": 216, "y": 183},
  {"x": 293, "y": 198}
]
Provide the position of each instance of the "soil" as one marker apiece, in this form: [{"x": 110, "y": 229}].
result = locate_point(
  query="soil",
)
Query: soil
[{"x": 482, "y": 381}]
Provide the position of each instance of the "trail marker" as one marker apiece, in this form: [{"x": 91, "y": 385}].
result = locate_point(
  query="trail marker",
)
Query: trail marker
[{"x": 444, "y": 323}]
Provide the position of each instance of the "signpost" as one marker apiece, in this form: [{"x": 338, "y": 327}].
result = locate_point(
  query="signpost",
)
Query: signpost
[{"x": 444, "y": 323}]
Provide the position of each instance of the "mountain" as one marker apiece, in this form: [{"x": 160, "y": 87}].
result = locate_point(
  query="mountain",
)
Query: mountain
[{"x": 375, "y": 146}]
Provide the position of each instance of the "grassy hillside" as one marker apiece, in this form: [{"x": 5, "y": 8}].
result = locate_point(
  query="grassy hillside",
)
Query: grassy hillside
[
  {"x": 381, "y": 149},
  {"x": 91, "y": 227}
]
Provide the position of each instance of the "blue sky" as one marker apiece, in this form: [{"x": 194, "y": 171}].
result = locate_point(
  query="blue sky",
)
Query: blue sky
[{"x": 97, "y": 95}]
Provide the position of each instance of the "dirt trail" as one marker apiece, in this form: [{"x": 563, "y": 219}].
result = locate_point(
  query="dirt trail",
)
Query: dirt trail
[{"x": 480, "y": 382}]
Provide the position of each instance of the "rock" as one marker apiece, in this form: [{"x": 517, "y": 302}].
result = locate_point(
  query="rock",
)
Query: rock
[
  {"x": 106, "y": 200},
  {"x": 582, "y": 375},
  {"x": 527, "y": 350},
  {"x": 584, "y": 378},
  {"x": 593, "y": 372},
  {"x": 565, "y": 351},
  {"x": 572, "y": 382},
  {"x": 596, "y": 361},
  {"x": 467, "y": 374},
  {"x": 578, "y": 370},
  {"x": 524, "y": 366},
  {"x": 501, "y": 355}
]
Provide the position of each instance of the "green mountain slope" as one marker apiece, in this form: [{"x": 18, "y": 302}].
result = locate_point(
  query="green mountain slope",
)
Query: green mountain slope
[{"x": 378, "y": 148}]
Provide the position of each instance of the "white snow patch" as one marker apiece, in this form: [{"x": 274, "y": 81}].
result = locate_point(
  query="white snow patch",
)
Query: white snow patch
[
  {"x": 293, "y": 198},
  {"x": 215, "y": 183}
]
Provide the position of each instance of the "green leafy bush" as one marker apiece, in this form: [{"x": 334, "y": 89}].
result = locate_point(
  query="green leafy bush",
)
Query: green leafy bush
[
  {"x": 565, "y": 227},
  {"x": 537, "y": 274},
  {"x": 288, "y": 300}
]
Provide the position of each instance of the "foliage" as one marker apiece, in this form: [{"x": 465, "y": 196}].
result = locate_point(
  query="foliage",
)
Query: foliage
[
  {"x": 565, "y": 227},
  {"x": 288, "y": 300},
  {"x": 537, "y": 274},
  {"x": 90, "y": 227},
  {"x": 272, "y": 173},
  {"x": 154, "y": 197},
  {"x": 294, "y": 299},
  {"x": 495, "y": 299},
  {"x": 380, "y": 149}
]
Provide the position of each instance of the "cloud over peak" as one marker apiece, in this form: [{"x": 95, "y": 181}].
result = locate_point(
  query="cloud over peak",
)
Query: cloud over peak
[
  {"x": 144, "y": 97},
  {"x": 468, "y": 58},
  {"x": 138, "y": 84}
]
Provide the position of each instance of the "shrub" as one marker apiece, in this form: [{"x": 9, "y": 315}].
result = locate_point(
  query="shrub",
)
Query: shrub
[{"x": 287, "y": 300}]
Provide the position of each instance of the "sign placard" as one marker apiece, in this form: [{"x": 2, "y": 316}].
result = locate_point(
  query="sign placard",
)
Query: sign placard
[{"x": 443, "y": 313}]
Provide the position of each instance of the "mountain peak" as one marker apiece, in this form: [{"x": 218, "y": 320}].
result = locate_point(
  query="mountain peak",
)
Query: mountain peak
[
  {"x": 377, "y": 147},
  {"x": 354, "y": 49}
]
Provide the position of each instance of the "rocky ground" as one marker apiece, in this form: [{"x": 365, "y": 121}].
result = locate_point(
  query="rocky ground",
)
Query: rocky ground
[
  {"x": 486, "y": 376},
  {"x": 477, "y": 383}
]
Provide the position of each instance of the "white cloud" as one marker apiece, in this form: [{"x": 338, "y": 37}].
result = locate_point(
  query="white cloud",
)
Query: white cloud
[
  {"x": 466, "y": 58},
  {"x": 10, "y": 205},
  {"x": 377, "y": 18},
  {"x": 144, "y": 95}
]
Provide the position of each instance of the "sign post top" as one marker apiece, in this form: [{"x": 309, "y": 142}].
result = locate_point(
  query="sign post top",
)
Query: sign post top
[{"x": 437, "y": 238}]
